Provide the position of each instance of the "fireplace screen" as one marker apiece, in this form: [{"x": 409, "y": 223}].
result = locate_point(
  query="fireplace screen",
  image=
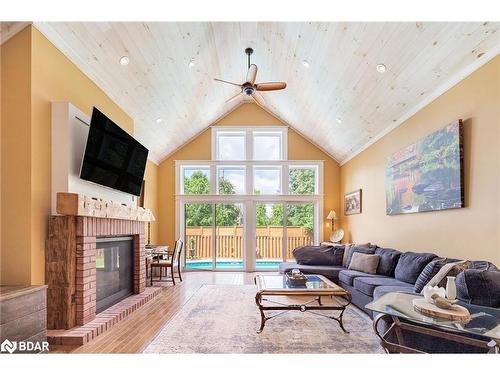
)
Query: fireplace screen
[{"x": 114, "y": 270}]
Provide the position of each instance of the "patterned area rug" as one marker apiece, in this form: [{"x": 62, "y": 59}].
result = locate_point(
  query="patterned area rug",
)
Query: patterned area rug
[{"x": 225, "y": 319}]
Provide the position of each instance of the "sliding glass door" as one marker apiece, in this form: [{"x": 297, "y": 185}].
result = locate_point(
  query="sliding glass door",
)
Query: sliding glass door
[
  {"x": 198, "y": 228},
  {"x": 268, "y": 235},
  {"x": 229, "y": 236},
  {"x": 214, "y": 236}
]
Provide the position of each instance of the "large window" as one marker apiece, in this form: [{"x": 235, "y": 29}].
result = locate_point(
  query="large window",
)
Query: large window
[
  {"x": 230, "y": 145},
  {"x": 267, "y": 180},
  {"x": 262, "y": 143},
  {"x": 267, "y": 145},
  {"x": 249, "y": 206},
  {"x": 195, "y": 180},
  {"x": 230, "y": 180}
]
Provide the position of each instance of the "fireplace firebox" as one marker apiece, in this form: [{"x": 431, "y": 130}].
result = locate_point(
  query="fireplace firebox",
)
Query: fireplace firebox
[{"x": 114, "y": 262}]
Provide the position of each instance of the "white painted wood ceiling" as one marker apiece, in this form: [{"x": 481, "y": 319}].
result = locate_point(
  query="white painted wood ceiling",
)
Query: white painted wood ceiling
[{"x": 341, "y": 81}]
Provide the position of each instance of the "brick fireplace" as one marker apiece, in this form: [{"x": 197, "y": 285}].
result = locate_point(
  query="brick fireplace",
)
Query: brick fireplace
[{"x": 71, "y": 265}]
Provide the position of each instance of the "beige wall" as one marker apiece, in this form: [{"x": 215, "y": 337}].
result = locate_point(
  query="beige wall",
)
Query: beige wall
[
  {"x": 16, "y": 156},
  {"x": 34, "y": 74},
  {"x": 151, "y": 198},
  {"x": 472, "y": 232},
  {"x": 199, "y": 148}
]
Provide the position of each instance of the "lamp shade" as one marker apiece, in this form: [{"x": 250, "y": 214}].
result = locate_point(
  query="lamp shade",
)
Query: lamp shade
[{"x": 332, "y": 215}]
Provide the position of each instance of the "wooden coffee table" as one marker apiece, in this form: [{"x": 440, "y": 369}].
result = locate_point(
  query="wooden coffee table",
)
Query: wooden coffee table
[{"x": 324, "y": 295}]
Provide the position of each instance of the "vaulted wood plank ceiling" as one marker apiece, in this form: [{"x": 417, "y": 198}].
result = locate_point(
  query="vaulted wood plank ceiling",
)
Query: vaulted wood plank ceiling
[{"x": 335, "y": 96}]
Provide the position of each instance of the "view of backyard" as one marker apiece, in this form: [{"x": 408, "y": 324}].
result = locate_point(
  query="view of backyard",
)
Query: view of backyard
[{"x": 229, "y": 228}]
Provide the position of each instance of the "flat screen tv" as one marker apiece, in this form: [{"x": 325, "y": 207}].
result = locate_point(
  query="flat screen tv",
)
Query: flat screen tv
[{"x": 112, "y": 157}]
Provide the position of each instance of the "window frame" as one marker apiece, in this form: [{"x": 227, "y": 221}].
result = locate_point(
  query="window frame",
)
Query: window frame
[{"x": 249, "y": 140}]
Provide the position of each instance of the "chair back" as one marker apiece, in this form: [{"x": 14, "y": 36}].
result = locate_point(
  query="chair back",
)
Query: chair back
[{"x": 176, "y": 256}]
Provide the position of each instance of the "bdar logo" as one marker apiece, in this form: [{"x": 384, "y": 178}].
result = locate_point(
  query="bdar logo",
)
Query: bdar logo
[{"x": 8, "y": 346}]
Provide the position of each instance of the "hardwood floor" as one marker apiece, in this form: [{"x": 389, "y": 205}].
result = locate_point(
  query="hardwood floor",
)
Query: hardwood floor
[{"x": 133, "y": 333}]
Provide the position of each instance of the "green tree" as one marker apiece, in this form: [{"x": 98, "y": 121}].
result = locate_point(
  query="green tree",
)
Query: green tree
[
  {"x": 200, "y": 214},
  {"x": 302, "y": 181},
  {"x": 261, "y": 218},
  {"x": 197, "y": 183}
]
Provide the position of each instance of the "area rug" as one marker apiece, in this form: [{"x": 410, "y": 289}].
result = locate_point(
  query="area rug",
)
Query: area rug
[{"x": 225, "y": 319}]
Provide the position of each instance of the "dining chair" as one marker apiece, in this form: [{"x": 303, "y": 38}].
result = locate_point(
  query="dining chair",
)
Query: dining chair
[{"x": 170, "y": 263}]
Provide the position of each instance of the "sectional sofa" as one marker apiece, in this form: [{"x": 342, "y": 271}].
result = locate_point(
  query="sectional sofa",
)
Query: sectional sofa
[{"x": 397, "y": 271}]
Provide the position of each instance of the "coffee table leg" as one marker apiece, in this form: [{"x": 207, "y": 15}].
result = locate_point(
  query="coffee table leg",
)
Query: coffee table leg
[{"x": 258, "y": 301}]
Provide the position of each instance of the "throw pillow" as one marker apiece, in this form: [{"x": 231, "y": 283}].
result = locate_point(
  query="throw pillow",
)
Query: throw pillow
[
  {"x": 388, "y": 260},
  {"x": 479, "y": 287},
  {"x": 319, "y": 255},
  {"x": 430, "y": 271},
  {"x": 366, "y": 263},
  {"x": 449, "y": 269},
  {"x": 359, "y": 249},
  {"x": 411, "y": 265}
]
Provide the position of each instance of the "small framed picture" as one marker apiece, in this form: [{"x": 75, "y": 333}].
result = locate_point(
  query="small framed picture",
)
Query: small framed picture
[{"x": 352, "y": 202}]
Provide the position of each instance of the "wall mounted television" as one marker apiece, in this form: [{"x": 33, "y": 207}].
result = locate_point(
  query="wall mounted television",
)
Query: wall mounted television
[{"x": 112, "y": 157}]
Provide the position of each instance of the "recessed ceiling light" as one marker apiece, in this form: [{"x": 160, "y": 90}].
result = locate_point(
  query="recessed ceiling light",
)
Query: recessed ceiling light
[
  {"x": 305, "y": 63},
  {"x": 381, "y": 68},
  {"x": 339, "y": 120},
  {"x": 124, "y": 60},
  {"x": 159, "y": 120},
  {"x": 191, "y": 63}
]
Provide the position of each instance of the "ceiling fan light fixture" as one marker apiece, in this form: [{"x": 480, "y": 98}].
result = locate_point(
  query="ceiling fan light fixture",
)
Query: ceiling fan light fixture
[
  {"x": 124, "y": 60},
  {"x": 339, "y": 120},
  {"x": 305, "y": 63},
  {"x": 192, "y": 63},
  {"x": 381, "y": 68},
  {"x": 159, "y": 120}
]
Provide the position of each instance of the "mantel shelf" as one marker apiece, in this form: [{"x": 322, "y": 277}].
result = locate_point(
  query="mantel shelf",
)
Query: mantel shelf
[{"x": 73, "y": 204}]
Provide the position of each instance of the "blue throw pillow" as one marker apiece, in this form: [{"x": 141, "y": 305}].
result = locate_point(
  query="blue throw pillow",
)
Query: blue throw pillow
[
  {"x": 430, "y": 271},
  {"x": 388, "y": 260},
  {"x": 411, "y": 265},
  {"x": 479, "y": 287},
  {"x": 359, "y": 249}
]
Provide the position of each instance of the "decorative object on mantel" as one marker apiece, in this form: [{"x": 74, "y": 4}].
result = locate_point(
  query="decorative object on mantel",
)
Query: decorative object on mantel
[
  {"x": 427, "y": 175},
  {"x": 81, "y": 205},
  {"x": 336, "y": 235},
  {"x": 352, "y": 202}
]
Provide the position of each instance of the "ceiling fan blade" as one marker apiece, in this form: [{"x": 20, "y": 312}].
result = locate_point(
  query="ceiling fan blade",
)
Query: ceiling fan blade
[
  {"x": 259, "y": 99},
  {"x": 231, "y": 83},
  {"x": 252, "y": 74},
  {"x": 238, "y": 95},
  {"x": 270, "y": 86}
]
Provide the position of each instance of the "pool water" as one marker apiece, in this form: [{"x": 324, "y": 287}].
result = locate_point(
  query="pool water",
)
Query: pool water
[{"x": 229, "y": 264}]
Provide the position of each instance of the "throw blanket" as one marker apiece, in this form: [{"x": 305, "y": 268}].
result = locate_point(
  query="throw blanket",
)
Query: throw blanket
[{"x": 319, "y": 255}]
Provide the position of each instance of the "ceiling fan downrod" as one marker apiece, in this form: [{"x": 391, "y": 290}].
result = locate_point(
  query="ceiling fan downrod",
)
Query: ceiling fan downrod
[{"x": 249, "y": 52}]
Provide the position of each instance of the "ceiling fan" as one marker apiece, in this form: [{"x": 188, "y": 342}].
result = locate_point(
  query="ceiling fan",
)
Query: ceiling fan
[{"x": 250, "y": 88}]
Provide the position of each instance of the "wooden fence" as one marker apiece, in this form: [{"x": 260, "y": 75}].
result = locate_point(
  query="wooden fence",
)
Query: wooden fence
[{"x": 229, "y": 242}]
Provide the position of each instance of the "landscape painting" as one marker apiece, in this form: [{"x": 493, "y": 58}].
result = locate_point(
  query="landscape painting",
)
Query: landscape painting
[{"x": 427, "y": 175}]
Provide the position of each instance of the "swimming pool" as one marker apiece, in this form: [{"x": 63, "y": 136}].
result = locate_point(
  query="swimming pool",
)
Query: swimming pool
[{"x": 230, "y": 264}]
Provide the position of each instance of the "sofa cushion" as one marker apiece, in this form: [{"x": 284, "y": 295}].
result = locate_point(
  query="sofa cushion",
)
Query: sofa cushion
[
  {"x": 359, "y": 249},
  {"x": 429, "y": 271},
  {"x": 319, "y": 255},
  {"x": 411, "y": 265},
  {"x": 347, "y": 252},
  {"x": 367, "y": 285},
  {"x": 384, "y": 289},
  {"x": 364, "y": 262},
  {"x": 388, "y": 260},
  {"x": 331, "y": 272},
  {"x": 348, "y": 276},
  {"x": 479, "y": 287}
]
